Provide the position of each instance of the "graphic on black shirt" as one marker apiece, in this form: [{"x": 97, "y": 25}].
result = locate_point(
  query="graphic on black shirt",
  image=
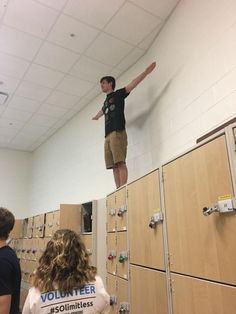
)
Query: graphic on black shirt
[{"x": 113, "y": 110}]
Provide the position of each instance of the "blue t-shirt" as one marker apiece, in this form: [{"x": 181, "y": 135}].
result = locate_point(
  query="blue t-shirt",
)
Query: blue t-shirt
[{"x": 10, "y": 277}]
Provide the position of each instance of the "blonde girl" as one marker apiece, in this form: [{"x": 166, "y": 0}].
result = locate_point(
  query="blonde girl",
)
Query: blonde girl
[{"x": 64, "y": 282}]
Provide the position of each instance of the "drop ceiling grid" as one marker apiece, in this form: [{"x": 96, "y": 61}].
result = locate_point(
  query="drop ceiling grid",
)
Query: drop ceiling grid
[{"x": 49, "y": 63}]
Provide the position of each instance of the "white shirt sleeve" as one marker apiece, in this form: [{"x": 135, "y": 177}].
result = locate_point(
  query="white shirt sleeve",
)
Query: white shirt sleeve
[
  {"x": 103, "y": 297},
  {"x": 26, "y": 307}
]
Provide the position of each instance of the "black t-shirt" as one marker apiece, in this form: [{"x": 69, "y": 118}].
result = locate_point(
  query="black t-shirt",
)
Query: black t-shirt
[
  {"x": 10, "y": 277},
  {"x": 113, "y": 110}
]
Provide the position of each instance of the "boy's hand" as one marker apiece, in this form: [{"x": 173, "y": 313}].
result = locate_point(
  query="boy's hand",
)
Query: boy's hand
[{"x": 150, "y": 68}]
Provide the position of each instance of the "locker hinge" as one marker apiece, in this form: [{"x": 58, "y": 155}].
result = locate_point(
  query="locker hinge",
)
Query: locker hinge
[
  {"x": 162, "y": 177},
  {"x": 171, "y": 285}
]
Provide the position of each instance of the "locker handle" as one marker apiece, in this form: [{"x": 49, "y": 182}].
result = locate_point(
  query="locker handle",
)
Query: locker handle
[
  {"x": 222, "y": 206},
  {"x": 111, "y": 255},
  {"x": 155, "y": 219},
  {"x": 123, "y": 257},
  {"x": 124, "y": 307},
  {"x": 113, "y": 299},
  {"x": 122, "y": 210},
  {"x": 112, "y": 212}
]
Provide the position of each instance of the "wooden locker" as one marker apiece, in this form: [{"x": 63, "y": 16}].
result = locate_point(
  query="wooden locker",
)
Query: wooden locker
[
  {"x": 148, "y": 291},
  {"x": 112, "y": 291},
  {"x": 30, "y": 226},
  {"x": 41, "y": 226},
  {"x": 88, "y": 241},
  {"x": 56, "y": 221},
  {"x": 122, "y": 255},
  {"x": 40, "y": 247},
  {"x": 121, "y": 210},
  {"x": 123, "y": 305},
  {"x": 23, "y": 296},
  {"x": 70, "y": 217},
  {"x": 201, "y": 246},
  {"x": 146, "y": 244},
  {"x": 49, "y": 224},
  {"x": 111, "y": 253},
  {"x": 17, "y": 231},
  {"x": 111, "y": 213},
  {"x": 191, "y": 295}
]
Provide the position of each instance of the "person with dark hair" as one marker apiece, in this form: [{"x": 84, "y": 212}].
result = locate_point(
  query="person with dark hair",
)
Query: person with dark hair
[
  {"x": 64, "y": 282},
  {"x": 115, "y": 134},
  {"x": 10, "y": 273}
]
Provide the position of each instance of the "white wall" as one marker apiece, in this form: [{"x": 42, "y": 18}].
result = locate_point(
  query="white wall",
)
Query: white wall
[
  {"x": 15, "y": 178},
  {"x": 192, "y": 91}
]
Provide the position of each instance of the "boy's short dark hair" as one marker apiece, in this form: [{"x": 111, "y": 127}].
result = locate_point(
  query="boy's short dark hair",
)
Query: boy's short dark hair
[
  {"x": 109, "y": 79},
  {"x": 7, "y": 221}
]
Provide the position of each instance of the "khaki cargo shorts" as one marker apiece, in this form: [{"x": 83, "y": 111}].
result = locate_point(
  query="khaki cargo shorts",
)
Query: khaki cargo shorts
[{"x": 115, "y": 148}]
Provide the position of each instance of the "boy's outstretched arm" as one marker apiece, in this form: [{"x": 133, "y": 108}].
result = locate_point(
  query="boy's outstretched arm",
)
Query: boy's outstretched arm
[
  {"x": 98, "y": 115},
  {"x": 139, "y": 78}
]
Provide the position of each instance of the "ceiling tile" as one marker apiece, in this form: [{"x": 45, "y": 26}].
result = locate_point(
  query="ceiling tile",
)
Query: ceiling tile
[
  {"x": 145, "y": 44},
  {"x": 18, "y": 115},
  {"x": 55, "y": 4},
  {"x": 33, "y": 91},
  {"x": 3, "y": 9},
  {"x": 130, "y": 59},
  {"x": 65, "y": 26},
  {"x": 43, "y": 120},
  {"x": 11, "y": 123},
  {"x": 8, "y": 84},
  {"x": 4, "y": 140},
  {"x": 24, "y": 104},
  {"x": 108, "y": 49},
  {"x": 43, "y": 76},
  {"x": 56, "y": 57},
  {"x": 18, "y": 43},
  {"x": 12, "y": 66},
  {"x": 90, "y": 70},
  {"x": 161, "y": 8},
  {"x": 62, "y": 100},
  {"x": 96, "y": 13},
  {"x": 33, "y": 129},
  {"x": 126, "y": 22},
  {"x": 22, "y": 141},
  {"x": 30, "y": 17},
  {"x": 52, "y": 111},
  {"x": 2, "y": 108},
  {"x": 93, "y": 93},
  {"x": 74, "y": 86},
  {"x": 22, "y": 147},
  {"x": 8, "y": 132}
]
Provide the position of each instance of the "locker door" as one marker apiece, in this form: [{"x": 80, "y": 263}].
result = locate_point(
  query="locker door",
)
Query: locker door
[
  {"x": 35, "y": 227},
  {"x": 122, "y": 255},
  {"x": 41, "y": 225},
  {"x": 88, "y": 242},
  {"x": 111, "y": 253},
  {"x": 30, "y": 226},
  {"x": 112, "y": 291},
  {"x": 121, "y": 210},
  {"x": 123, "y": 305},
  {"x": 148, "y": 291},
  {"x": 70, "y": 217},
  {"x": 201, "y": 246},
  {"x": 146, "y": 244},
  {"x": 191, "y": 295},
  {"x": 49, "y": 224},
  {"x": 111, "y": 213},
  {"x": 56, "y": 221}
]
